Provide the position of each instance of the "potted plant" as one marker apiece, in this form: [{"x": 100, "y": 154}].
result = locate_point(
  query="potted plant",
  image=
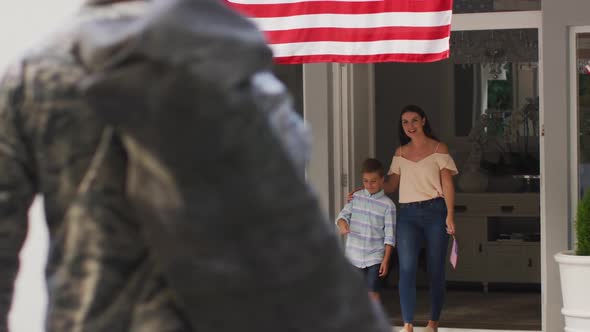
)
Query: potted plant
[
  {"x": 473, "y": 179},
  {"x": 574, "y": 269}
]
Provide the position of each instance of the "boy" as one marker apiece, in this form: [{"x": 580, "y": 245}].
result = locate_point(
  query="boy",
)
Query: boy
[{"x": 369, "y": 221}]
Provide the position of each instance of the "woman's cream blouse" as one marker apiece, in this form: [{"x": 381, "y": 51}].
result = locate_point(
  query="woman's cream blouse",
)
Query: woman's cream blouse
[{"x": 420, "y": 181}]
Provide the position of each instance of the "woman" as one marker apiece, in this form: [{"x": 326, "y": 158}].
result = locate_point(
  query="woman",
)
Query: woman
[{"x": 422, "y": 169}]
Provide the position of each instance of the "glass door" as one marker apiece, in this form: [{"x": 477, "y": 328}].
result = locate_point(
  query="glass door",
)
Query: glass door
[
  {"x": 580, "y": 110},
  {"x": 482, "y": 102}
]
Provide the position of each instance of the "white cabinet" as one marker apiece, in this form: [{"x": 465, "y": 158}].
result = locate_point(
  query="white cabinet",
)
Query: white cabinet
[
  {"x": 533, "y": 254},
  {"x": 483, "y": 223},
  {"x": 512, "y": 262},
  {"x": 471, "y": 238}
]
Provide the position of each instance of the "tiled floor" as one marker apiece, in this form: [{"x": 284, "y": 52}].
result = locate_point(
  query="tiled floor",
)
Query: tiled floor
[
  {"x": 474, "y": 310},
  {"x": 419, "y": 329},
  {"x": 465, "y": 310}
]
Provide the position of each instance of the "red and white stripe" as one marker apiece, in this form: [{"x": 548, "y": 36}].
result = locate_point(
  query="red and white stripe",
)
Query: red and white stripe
[{"x": 352, "y": 31}]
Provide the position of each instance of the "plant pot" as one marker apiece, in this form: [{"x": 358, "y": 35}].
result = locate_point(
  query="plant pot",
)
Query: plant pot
[{"x": 575, "y": 289}]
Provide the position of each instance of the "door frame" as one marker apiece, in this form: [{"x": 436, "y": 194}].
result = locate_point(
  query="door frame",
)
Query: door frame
[
  {"x": 330, "y": 84},
  {"x": 503, "y": 21},
  {"x": 574, "y": 143}
]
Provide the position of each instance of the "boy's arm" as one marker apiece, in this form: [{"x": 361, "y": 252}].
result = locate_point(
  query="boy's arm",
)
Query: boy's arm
[
  {"x": 389, "y": 227},
  {"x": 343, "y": 219},
  {"x": 384, "y": 268},
  {"x": 389, "y": 240},
  {"x": 345, "y": 214},
  {"x": 343, "y": 226},
  {"x": 388, "y": 251}
]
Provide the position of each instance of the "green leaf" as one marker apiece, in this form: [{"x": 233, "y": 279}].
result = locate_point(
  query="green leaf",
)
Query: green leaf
[{"x": 583, "y": 226}]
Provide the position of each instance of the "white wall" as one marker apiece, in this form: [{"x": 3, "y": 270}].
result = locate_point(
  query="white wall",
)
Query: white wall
[
  {"x": 17, "y": 31},
  {"x": 30, "y": 298},
  {"x": 362, "y": 126},
  {"x": 317, "y": 101}
]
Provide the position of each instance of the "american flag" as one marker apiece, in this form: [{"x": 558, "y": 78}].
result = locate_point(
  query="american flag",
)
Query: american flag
[
  {"x": 454, "y": 253},
  {"x": 352, "y": 31}
]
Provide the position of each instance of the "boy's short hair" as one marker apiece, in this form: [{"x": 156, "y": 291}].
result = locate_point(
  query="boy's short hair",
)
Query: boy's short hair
[{"x": 372, "y": 165}]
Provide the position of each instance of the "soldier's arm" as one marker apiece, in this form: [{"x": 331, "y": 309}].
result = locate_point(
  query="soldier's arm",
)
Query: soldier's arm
[{"x": 17, "y": 191}]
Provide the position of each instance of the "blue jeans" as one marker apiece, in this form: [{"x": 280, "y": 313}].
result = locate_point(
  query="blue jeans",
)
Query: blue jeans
[{"x": 422, "y": 221}]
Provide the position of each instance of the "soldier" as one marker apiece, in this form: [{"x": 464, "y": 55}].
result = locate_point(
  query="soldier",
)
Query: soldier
[{"x": 192, "y": 214}]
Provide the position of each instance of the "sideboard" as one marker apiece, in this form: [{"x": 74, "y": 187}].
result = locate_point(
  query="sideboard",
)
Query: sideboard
[{"x": 498, "y": 236}]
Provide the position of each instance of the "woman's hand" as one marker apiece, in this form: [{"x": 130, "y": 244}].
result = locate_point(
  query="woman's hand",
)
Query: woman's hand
[
  {"x": 349, "y": 197},
  {"x": 450, "y": 225}
]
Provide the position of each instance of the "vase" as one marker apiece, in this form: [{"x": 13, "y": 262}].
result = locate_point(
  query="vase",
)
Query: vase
[
  {"x": 473, "y": 181},
  {"x": 575, "y": 290}
]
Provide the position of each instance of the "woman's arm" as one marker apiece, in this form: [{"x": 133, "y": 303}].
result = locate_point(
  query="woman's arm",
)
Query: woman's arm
[
  {"x": 448, "y": 188},
  {"x": 391, "y": 183}
]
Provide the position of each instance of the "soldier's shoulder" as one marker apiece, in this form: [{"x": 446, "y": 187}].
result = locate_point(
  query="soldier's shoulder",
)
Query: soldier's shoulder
[
  {"x": 51, "y": 72},
  {"x": 11, "y": 83},
  {"x": 12, "y": 72},
  {"x": 37, "y": 78}
]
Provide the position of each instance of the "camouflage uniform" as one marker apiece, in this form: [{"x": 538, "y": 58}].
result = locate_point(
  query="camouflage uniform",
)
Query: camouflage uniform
[
  {"x": 107, "y": 279},
  {"x": 48, "y": 137}
]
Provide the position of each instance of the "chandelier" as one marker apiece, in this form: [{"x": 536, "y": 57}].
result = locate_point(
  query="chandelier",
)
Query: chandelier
[{"x": 495, "y": 47}]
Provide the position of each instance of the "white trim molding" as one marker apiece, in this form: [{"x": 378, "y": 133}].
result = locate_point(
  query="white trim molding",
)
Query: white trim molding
[
  {"x": 497, "y": 21},
  {"x": 574, "y": 143}
]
